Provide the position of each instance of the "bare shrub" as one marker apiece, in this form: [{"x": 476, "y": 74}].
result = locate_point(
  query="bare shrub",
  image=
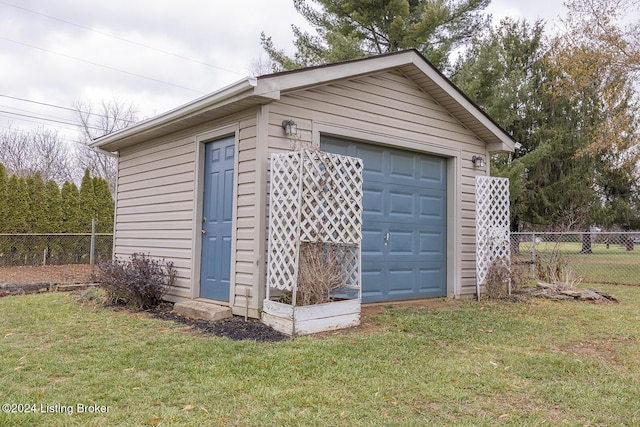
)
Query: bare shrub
[
  {"x": 320, "y": 271},
  {"x": 556, "y": 270},
  {"x": 139, "y": 282},
  {"x": 520, "y": 276},
  {"x": 497, "y": 279},
  {"x": 551, "y": 269}
]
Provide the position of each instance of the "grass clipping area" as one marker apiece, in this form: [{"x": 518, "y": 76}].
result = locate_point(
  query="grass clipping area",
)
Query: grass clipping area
[{"x": 443, "y": 363}]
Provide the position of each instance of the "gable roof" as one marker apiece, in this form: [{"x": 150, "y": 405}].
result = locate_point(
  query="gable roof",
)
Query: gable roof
[{"x": 255, "y": 91}]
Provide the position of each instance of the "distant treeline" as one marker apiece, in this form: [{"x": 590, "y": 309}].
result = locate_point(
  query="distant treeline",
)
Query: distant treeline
[{"x": 31, "y": 205}]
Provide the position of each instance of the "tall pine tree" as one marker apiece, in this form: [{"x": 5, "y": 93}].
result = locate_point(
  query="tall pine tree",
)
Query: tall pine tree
[
  {"x": 87, "y": 201},
  {"x": 17, "y": 205},
  {"x": 54, "y": 207},
  {"x": 37, "y": 217},
  {"x": 71, "y": 215},
  {"x": 354, "y": 29},
  {"x": 4, "y": 181},
  {"x": 104, "y": 205}
]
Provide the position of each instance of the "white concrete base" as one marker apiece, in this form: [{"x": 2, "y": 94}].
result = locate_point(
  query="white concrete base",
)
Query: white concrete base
[{"x": 201, "y": 310}]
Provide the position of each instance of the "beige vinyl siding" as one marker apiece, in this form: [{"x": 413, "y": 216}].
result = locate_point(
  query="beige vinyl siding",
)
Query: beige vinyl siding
[
  {"x": 389, "y": 104},
  {"x": 468, "y": 204},
  {"x": 245, "y": 223},
  {"x": 155, "y": 202}
]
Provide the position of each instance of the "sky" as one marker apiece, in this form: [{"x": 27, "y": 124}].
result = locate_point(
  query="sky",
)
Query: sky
[{"x": 155, "y": 54}]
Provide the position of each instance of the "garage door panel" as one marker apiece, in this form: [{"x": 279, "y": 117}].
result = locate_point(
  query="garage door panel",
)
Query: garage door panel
[
  {"x": 401, "y": 243},
  {"x": 401, "y": 204},
  {"x": 370, "y": 244},
  {"x": 404, "y": 221},
  {"x": 374, "y": 160},
  {"x": 401, "y": 165},
  {"x": 375, "y": 277},
  {"x": 432, "y": 244},
  {"x": 433, "y": 207},
  {"x": 431, "y": 278},
  {"x": 375, "y": 201},
  {"x": 433, "y": 171},
  {"x": 401, "y": 280}
]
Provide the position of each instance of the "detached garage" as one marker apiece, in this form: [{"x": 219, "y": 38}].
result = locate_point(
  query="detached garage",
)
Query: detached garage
[{"x": 193, "y": 183}]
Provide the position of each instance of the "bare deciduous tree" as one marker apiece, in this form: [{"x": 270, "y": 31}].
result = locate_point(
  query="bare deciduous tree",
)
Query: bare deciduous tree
[
  {"x": 261, "y": 65},
  {"x": 53, "y": 156},
  {"x": 96, "y": 121},
  {"x": 41, "y": 150}
]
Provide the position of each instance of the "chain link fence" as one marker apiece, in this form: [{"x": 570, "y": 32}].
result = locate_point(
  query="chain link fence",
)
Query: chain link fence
[
  {"x": 592, "y": 257},
  {"x": 52, "y": 259}
]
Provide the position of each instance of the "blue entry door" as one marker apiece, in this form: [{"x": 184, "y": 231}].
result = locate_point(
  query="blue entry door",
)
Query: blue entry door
[
  {"x": 404, "y": 221},
  {"x": 217, "y": 212}
]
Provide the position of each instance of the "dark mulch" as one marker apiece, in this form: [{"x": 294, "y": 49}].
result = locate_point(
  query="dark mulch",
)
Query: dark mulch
[{"x": 235, "y": 328}]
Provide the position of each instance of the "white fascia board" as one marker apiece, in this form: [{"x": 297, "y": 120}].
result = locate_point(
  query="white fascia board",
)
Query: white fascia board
[
  {"x": 299, "y": 79},
  {"x": 200, "y": 104}
]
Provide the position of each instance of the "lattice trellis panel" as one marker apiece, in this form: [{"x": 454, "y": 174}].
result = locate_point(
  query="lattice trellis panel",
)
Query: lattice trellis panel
[
  {"x": 492, "y": 223},
  {"x": 315, "y": 197}
]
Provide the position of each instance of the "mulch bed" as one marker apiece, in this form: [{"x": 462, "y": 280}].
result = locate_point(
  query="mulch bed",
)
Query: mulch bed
[{"x": 235, "y": 328}]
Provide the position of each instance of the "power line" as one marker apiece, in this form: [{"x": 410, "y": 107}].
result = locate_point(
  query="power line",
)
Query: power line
[
  {"x": 60, "y": 107},
  {"x": 45, "y": 119},
  {"x": 99, "y": 65},
  {"x": 30, "y": 111},
  {"x": 60, "y": 136},
  {"x": 123, "y": 39},
  {"x": 39, "y": 123}
]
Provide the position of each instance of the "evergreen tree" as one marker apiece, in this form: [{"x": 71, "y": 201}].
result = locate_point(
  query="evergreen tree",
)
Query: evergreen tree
[
  {"x": 71, "y": 216},
  {"x": 17, "y": 205},
  {"x": 55, "y": 244},
  {"x": 104, "y": 206},
  {"x": 5, "y": 244},
  {"x": 54, "y": 207},
  {"x": 555, "y": 181},
  {"x": 71, "y": 223},
  {"x": 355, "y": 28},
  {"x": 4, "y": 182},
  {"x": 87, "y": 202},
  {"x": 37, "y": 217}
]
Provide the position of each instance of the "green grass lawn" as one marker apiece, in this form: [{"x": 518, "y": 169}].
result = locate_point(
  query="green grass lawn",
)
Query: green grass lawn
[
  {"x": 614, "y": 265},
  {"x": 452, "y": 363}
]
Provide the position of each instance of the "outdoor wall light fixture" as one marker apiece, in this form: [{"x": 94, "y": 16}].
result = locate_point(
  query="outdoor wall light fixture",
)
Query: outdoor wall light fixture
[
  {"x": 478, "y": 162},
  {"x": 290, "y": 127}
]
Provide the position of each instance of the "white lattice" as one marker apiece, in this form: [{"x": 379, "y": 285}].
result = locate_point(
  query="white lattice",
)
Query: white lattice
[
  {"x": 315, "y": 197},
  {"x": 492, "y": 223}
]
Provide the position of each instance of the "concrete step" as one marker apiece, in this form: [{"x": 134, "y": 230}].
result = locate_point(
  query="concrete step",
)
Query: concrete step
[{"x": 201, "y": 310}]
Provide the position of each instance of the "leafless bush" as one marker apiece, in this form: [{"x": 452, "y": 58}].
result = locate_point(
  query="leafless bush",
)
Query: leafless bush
[
  {"x": 497, "y": 279},
  {"x": 520, "y": 276},
  {"x": 501, "y": 275},
  {"x": 553, "y": 268},
  {"x": 320, "y": 271}
]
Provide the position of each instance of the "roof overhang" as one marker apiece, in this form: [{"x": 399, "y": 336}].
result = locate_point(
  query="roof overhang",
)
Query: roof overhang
[
  {"x": 223, "y": 102},
  {"x": 251, "y": 92}
]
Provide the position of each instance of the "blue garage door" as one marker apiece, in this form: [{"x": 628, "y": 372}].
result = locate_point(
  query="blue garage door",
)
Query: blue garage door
[{"x": 404, "y": 239}]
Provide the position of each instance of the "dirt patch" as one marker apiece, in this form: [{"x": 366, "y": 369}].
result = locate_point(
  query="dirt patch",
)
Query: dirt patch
[{"x": 48, "y": 274}]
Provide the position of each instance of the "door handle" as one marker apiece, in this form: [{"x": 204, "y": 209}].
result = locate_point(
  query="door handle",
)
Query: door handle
[{"x": 386, "y": 238}]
